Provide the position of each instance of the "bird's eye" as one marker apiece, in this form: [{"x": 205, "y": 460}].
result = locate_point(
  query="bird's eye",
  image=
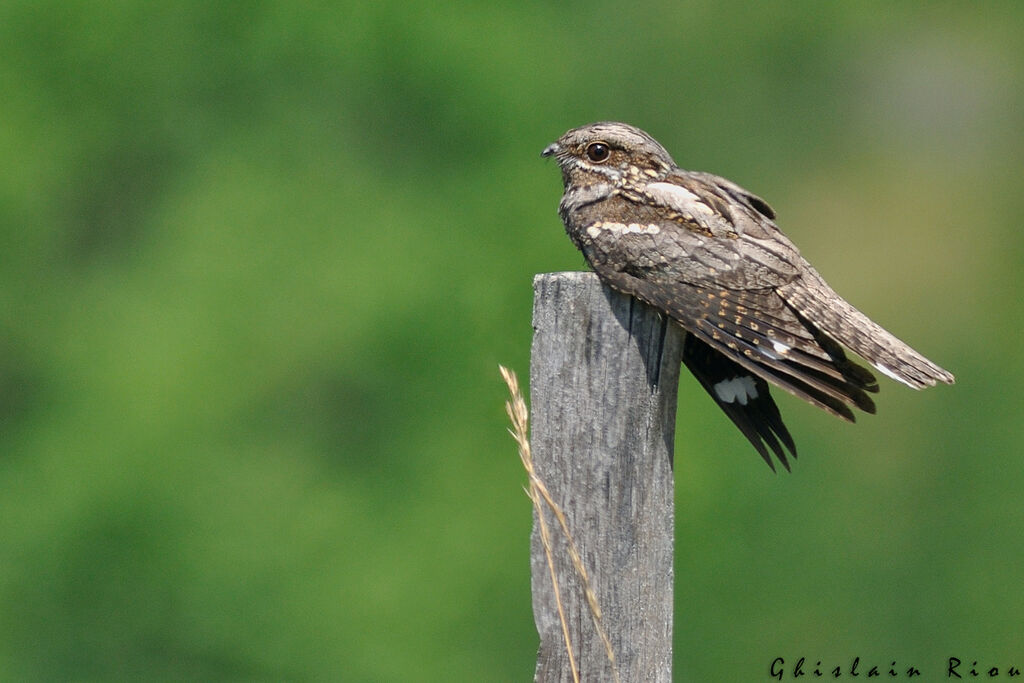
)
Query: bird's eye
[{"x": 598, "y": 152}]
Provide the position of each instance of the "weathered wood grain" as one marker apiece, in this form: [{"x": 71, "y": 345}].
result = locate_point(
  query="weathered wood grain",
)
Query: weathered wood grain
[{"x": 603, "y": 379}]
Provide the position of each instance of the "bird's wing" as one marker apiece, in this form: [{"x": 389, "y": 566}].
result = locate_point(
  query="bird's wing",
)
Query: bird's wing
[
  {"x": 726, "y": 233},
  {"x": 731, "y": 241},
  {"x": 755, "y": 330}
]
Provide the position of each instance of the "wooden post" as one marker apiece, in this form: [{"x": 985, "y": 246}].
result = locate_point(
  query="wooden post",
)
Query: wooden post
[{"x": 604, "y": 373}]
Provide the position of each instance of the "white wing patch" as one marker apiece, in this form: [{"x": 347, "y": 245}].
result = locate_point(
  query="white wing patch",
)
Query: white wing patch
[
  {"x": 780, "y": 350},
  {"x": 740, "y": 389}
]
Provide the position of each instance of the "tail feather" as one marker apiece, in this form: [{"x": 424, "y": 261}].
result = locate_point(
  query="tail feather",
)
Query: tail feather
[{"x": 812, "y": 299}]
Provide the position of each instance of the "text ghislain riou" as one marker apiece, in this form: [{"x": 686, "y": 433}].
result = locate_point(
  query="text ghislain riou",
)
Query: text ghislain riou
[{"x": 954, "y": 668}]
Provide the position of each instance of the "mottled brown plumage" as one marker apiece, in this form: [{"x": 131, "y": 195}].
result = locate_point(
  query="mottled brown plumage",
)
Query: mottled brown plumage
[{"x": 707, "y": 253}]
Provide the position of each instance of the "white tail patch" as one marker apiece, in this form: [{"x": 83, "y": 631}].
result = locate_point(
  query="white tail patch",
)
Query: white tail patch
[
  {"x": 892, "y": 375},
  {"x": 740, "y": 389}
]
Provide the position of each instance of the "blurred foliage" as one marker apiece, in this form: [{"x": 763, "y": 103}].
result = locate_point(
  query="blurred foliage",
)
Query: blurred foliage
[{"x": 260, "y": 261}]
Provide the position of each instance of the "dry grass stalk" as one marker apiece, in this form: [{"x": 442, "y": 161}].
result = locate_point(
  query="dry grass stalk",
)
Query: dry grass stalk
[{"x": 537, "y": 491}]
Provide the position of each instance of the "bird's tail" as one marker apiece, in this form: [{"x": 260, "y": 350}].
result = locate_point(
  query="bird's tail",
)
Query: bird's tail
[{"x": 813, "y": 300}]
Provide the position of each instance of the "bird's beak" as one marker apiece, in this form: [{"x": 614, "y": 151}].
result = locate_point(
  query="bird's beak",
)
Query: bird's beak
[{"x": 553, "y": 148}]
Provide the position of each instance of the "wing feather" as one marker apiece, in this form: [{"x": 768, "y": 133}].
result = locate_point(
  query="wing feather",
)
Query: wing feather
[
  {"x": 758, "y": 418},
  {"x": 806, "y": 369}
]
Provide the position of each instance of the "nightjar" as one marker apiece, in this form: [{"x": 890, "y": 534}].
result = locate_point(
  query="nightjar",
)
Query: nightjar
[{"x": 708, "y": 254}]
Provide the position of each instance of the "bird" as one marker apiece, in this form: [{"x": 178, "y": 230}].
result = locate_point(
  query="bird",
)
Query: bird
[{"x": 708, "y": 254}]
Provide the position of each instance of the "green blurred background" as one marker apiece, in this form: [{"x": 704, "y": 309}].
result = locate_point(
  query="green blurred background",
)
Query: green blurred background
[{"x": 261, "y": 260}]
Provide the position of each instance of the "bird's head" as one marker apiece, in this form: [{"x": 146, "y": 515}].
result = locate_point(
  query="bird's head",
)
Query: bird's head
[{"x": 608, "y": 152}]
